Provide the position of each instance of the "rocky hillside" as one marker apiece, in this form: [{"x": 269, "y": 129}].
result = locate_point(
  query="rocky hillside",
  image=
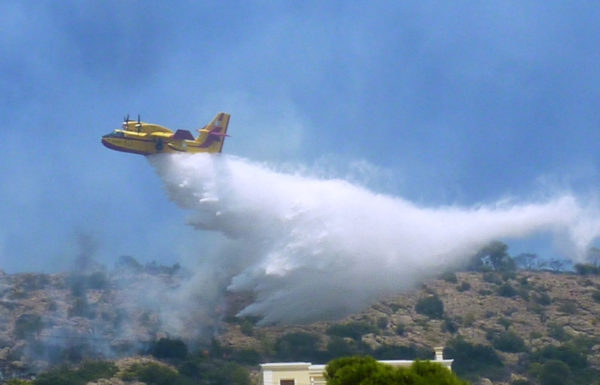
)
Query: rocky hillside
[
  {"x": 516, "y": 321},
  {"x": 511, "y": 328}
]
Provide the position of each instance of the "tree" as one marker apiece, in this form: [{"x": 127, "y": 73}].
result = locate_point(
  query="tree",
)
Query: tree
[
  {"x": 365, "y": 370},
  {"x": 431, "y": 306},
  {"x": 594, "y": 256},
  {"x": 526, "y": 260},
  {"x": 556, "y": 265},
  {"x": 554, "y": 372},
  {"x": 493, "y": 256}
]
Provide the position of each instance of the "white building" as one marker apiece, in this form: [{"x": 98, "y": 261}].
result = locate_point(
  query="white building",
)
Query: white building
[{"x": 305, "y": 373}]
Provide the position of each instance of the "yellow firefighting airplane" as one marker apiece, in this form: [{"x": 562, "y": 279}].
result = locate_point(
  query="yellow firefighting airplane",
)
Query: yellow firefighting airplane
[{"x": 145, "y": 138}]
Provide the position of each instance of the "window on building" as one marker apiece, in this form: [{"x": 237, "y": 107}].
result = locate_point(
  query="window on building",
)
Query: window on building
[{"x": 286, "y": 382}]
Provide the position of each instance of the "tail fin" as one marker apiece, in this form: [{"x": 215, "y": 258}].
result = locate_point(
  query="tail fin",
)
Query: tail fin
[{"x": 213, "y": 135}]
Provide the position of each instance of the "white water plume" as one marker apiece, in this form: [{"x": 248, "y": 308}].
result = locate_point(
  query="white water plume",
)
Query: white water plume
[{"x": 312, "y": 248}]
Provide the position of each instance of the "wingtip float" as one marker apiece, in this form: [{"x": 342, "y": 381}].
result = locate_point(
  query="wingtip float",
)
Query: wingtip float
[{"x": 142, "y": 138}]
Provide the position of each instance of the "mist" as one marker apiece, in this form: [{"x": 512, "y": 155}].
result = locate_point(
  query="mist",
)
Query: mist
[{"x": 312, "y": 248}]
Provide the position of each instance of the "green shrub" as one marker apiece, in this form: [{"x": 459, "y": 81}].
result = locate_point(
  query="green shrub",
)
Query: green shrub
[
  {"x": 88, "y": 371},
  {"x": 558, "y": 332},
  {"x": 449, "y": 277},
  {"x": 596, "y": 295},
  {"x": 81, "y": 308},
  {"x": 382, "y": 322},
  {"x": 354, "y": 330},
  {"x": 587, "y": 269},
  {"x": 574, "y": 357},
  {"x": 568, "y": 307},
  {"x": 505, "y": 322},
  {"x": 430, "y": 306},
  {"x": 449, "y": 326},
  {"x": 98, "y": 281},
  {"x": 339, "y": 347},
  {"x": 167, "y": 348},
  {"x": 464, "y": 286},
  {"x": 400, "y": 329},
  {"x": 298, "y": 346},
  {"x": 492, "y": 277},
  {"x": 509, "y": 342},
  {"x": 246, "y": 357},
  {"x": 506, "y": 290},
  {"x": 554, "y": 372},
  {"x": 152, "y": 374},
  {"x": 27, "y": 325},
  {"x": 247, "y": 327},
  {"x": 473, "y": 361},
  {"x": 523, "y": 293},
  {"x": 543, "y": 299}
]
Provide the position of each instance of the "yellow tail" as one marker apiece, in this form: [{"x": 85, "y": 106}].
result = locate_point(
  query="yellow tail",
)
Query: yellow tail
[{"x": 213, "y": 135}]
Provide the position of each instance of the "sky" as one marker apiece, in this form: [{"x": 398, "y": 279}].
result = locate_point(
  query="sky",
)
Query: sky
[{"x": 440, "y": 103}]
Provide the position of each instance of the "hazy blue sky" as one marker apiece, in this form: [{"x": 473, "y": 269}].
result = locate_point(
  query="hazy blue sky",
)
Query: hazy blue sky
[{"x": 438, "y": 102}]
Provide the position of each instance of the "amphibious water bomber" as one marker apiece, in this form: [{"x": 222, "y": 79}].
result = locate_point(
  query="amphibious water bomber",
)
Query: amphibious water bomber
[{"x": 142, "y": 138}]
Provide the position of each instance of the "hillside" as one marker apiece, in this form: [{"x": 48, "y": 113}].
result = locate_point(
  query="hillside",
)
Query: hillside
[{"x": 507, "y": 327}]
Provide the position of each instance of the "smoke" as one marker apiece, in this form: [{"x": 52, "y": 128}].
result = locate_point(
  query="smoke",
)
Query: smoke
[{"x": 311, "y": 248}]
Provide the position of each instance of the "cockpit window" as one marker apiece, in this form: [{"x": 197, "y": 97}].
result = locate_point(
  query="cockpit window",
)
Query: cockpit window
[{"x": 115, "y": 134}]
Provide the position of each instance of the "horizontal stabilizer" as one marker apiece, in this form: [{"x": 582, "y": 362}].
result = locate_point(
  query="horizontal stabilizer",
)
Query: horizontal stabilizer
[{"x": 183, "y": 135}]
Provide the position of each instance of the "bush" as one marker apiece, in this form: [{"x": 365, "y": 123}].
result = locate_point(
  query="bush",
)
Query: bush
[
  {"x": 449, "y": 326},
  {"x": 246, "y": 357},
  {"x": 93, "y": 370},
  {"x": 568, "y": 307},
  {"x": 297, "y": 346},
  {"x": 587, "y": 269},
  {"x": 554, "y": 372},
  {"x": 167, "y": 348},
  {"x": 98, "y": 281},
  {"x": 201, "y": 370},
  {"x": 596, "y": 295},
  {"x": 27, "y": 325},
  {"x": 431, "y": 306},
  {"x": 505, "y": 322},
  {"x": 473, "y": 361},
  {"x": 339, "y": 347},
  {"x": 449, "y": 277},
  {"x": 81, "y": 308},
  {"x": 247, "y": 327},
  {"x": 575, "y": 358},
  {"x": 88, "y": 371},
  {"x": 556, "y": 331},
  {"x": 507, "y": 290},
  {"x": 464, "y": 286},
  {"x": 400, "y": 329},
  {"x": 354, "y": 330},
  {"x": 152, "y": 374},
  {"x": 509, "y": 342},
  {"x": 542, "y": 299},
  {"x": 382, "y": 322},
  {"x": 491, "y": 277}
]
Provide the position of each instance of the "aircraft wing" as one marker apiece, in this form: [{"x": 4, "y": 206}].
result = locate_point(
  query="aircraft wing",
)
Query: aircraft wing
[
  {"x": 159, "y": 134},
  {"x": 183, "y": 135}
]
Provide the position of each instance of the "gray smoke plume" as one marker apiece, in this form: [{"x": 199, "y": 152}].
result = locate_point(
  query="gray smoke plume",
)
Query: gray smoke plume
[{"x": 311, "y": 248}]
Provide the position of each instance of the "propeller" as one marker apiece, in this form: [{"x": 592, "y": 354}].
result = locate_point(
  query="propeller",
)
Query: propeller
[
  {"x": 139, "y": 123},
  {"x": 125, "y": 121}
]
